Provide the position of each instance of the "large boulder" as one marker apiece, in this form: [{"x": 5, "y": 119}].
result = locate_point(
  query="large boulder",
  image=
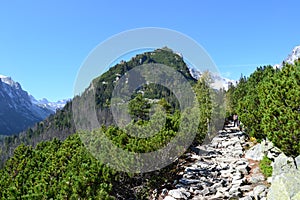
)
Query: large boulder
[
  {"x": 179, "y": 193},
  {"x": 282, "y": 164},
  {"x": 255, "y": 153},
  {"x": 285, "y": 187},
  {"x": 268, "y": 148},
  {"x": 297, "y": 160}
]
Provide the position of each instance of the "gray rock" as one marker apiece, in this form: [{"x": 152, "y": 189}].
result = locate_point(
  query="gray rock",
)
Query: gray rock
[
  {"x": 258, "y": 190},
  {"x": 246, "y": 198},
  {"x": 256, "y": 178},
  {"x": 193, "y": 188},
  {"x": 269, "y": 179},
  {"x": 283, "y": 164},
  {"x": 242, "y": 162},
  {"x": 246, "y": 188},
  {"x": 274, "y": 149},
  {"x": 243, "y": 169},
  {"x": 237, "y": 153},
  {"x": 217, "y": 185},
  {"x": 228, "y": 143},
  {"x": 179, "y": 193},
  {"x": 186, "y": 181},
  {"x": 164, "y": 191},
  {"x": 197, "y": 192},
  {"x": 255, "y": 153},
  {"x": 169, "y": 198},
  {"x": 265, "y": 146},
  {"x": 233, "y": 190},
  {"x": 237, "y": 176},
  {"x": 223, "y": 165},
  {"x": 222, "y": 189},
  {"x": 205, "y": 192},
  {"x": 271, "y": 155},
  {"x": 237, "y": 182},
  {"x": 218, "y": 195},
  {"x": 297, "y": 159},
  {"x": 263, "y": 194},
  {"x": 285, "y": 186},
  {"x": 226, "y": 174}
]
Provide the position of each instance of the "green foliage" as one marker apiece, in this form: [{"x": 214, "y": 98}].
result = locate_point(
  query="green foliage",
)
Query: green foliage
[
  {"x": 57, "y": 170},
  {"x": 139, "y": 108},
  {"x": 126, "y": 140},
  {"x": 202, "y": 90},
  {"x": 265, "y": 166},
  {"x": 249, "y": 108},
  {"x": 280, "y": 97},
  {"x": 268, "y": 105}
]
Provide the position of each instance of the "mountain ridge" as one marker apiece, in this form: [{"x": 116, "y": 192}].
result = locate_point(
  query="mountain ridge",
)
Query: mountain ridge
[{"x": 19, "y": 109}]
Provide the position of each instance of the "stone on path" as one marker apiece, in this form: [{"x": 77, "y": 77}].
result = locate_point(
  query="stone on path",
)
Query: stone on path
[{"x": 219, "y": 171}]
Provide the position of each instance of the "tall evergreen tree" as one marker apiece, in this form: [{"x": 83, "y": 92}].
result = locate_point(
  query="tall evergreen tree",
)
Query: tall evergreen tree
[{"x": 280, "y": 104}]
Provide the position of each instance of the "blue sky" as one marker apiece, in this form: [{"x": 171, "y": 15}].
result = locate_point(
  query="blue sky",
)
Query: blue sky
[{"x": 44, "y": 43}]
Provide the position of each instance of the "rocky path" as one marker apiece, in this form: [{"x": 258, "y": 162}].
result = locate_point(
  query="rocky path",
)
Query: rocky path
[{"x": 219, "y": 171}]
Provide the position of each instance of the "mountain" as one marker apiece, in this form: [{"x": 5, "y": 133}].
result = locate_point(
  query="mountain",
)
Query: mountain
[
  {"x": 294, "y": 55},
  {"x": 45, "y": 103},
  {"x": 218, "y": 81},
  {"x": 17, "y": 111},
  {"x": 61, "y": 124},
  {"x": 59, "y": 160}
]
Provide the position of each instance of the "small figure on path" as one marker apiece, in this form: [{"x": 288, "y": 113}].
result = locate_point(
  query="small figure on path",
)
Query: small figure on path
[{"x": 236, "y": 120}]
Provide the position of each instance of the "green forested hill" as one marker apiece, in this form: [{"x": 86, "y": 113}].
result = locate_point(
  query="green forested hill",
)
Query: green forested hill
[
  {"x": 44, "y": 164},
  {"x": 61, "y": 124}
]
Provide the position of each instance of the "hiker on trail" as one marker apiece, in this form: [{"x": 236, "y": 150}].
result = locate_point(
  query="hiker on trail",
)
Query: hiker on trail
[{"x": 236, "y": 120}]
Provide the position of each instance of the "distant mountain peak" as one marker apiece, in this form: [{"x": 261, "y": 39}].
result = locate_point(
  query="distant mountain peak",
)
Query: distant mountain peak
[
  {"x": 294, "y": 55},
  {"x": 45, "y": 103},
  {"x": 9, "y": 81},
  {"x": 218, "y": 81},
  {"x": 20, "y": 110}
]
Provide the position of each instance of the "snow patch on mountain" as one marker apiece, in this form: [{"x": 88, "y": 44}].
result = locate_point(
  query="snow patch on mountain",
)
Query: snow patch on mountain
[
  {"x": 294, "y": 55},
  {"x": 45, "y": 103},
  {"x": 218, "y": 81},
  {"x": 20, "y": 110},
  {"x": 10, "y": 82}
]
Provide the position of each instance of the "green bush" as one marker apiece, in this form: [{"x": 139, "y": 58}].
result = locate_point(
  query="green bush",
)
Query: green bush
[{"x": 265, "y": 166}]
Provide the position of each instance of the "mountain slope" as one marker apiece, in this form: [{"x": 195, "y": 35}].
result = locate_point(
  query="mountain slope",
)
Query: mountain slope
[
  {"x": 17, "y": 112},
  {"x": 61, "y": 124}
]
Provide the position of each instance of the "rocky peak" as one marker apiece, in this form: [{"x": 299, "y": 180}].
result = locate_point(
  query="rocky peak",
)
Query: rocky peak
[
  {"x": 8, "y": 80},
  {"x": 294, "y": 55},
  {"x": 17, "y": 112}
]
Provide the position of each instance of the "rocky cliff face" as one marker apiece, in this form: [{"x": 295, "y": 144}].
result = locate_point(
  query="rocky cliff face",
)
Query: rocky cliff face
[{"x": 17, "y": 112}]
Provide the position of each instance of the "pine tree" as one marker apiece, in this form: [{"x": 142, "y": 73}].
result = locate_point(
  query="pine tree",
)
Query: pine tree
[{"x": 280, "y": 97}]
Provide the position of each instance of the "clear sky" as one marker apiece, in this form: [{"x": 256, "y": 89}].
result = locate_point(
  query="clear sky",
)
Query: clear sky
[{"x": 44, "y": 43}]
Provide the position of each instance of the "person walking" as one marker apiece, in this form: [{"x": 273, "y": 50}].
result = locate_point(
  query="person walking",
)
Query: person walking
[{"x": 235, "y": 120}]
